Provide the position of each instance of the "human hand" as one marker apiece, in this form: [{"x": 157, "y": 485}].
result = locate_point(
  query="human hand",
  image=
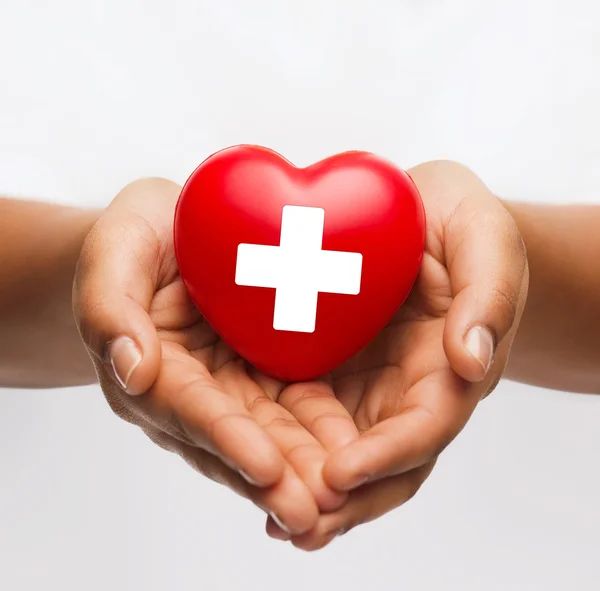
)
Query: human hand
[
  {"x": 412, "y": 390},
  {"x": 163, "y": 368}
]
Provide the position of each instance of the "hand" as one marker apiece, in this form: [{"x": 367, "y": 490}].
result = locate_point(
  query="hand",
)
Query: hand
[
  {"x": 162, "y": 368},
  {"x": 412, "y": 390}
]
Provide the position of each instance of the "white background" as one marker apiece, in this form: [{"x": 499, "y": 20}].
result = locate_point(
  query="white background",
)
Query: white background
[{"x": 94, "y": 94}]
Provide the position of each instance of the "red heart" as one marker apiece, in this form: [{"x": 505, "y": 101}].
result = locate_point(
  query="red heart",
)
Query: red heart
[{"x": 243, "y": 196}]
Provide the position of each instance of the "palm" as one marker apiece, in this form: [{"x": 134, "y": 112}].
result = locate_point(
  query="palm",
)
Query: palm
[
  {"x": 401, "y": 378},
  {"x": 380, "y": 381},
  {"x": 384, "y": 415},
  {"x": 192, "y": 352}
]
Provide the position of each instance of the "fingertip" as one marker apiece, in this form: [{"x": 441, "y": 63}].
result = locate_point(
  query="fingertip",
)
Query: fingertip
[
  {"x": 469, "y": 345},
  {"x": 291, "y": 505},
  {"x": 244, "y": 445},
  {"x": 266, "y": 470},
  {"x": 478, "y": 343},
  {"x": 308, "y": 461},
  {"x": 471, "y": 353},
  {"x": 315, "y": 539},
  {"x": 330, "y": 500},
  {"x": 275, "y": 531},
  {"x": 327, "y": 498},
  {"x": 344, "y": 470},
  {"x": 125, "y": 358},
  {"x": 121, "y": 338}
]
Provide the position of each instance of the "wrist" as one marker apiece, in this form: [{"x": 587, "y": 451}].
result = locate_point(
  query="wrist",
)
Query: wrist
[
  {"x": 42, "y": 244},
  {"x": 556, "y": 344}
]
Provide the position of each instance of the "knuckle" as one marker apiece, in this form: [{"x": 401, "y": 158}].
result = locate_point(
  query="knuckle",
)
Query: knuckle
[
  {"x": 149, "y": 184},
  {"x": 88, "y": 319},
  {"x": 280, "y": 422},
  {"x": 86, "y": 254},
  {"x": 297, "y": 396},
  {"x": 443, "y": 168},
  {"x": 302, "y": 449},
  {"x": 254, "y": 405},
  {"x": 513, "y": 239},
  {"x": 504, "y": 298},
  {"x": 328, "y": 416}
]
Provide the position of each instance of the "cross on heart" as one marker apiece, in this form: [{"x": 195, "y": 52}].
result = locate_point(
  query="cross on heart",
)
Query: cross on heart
[{"x": 297, "y": 269}]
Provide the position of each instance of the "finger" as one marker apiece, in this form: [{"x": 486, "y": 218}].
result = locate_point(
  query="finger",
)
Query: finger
[
  {"x": 276, "y": 532},
  {"x": 299, "y": 448},
  {"x": 487, "y": 263},
  {"x": 187, "y": 403},
  {"x": 316, "y": 408},
  {"x": 287, "y": 503},
  {"x": 364, "y": 505},
  {"x": 435, "y": 410},
  {"x": 117, "y": 275}
]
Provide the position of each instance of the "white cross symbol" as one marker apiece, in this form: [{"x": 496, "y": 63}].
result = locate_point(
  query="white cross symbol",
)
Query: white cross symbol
[{"x": 298, "y": 268}]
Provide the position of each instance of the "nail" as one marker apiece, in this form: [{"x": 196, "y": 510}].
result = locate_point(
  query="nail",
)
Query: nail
[
  {"x": 357, "y": 481},
  {"x": 124, "y": 358},
  {"x": 280, "y": 523},
  {"x": 280, "y": 535},
  {"x": 480, "y": 344},
  {"x": 247, "y": 478},
  {"x": 229, "y": 463}
]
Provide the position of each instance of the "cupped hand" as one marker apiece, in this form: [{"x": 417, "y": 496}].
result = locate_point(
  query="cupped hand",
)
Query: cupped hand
[
  {"x": 164, "y": 369},
  {"x": 412, "y": 390},
  {"x": 296, "y": 450}
]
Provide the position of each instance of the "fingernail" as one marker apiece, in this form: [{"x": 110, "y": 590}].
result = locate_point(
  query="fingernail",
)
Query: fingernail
[
  {"x": 124, "y": 358},
  {"x": 357, "y": 481},
  {"x": 280, "y": 523},
  {"x": 280, "y": 535},
  {"x": 247, "y": 478},
  {"x": 241, "y": 472},
  {"x": 480, "y": 344}
]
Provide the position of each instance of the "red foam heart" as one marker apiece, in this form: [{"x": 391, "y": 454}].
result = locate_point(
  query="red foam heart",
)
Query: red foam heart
[{"x": 358, "y": 203}]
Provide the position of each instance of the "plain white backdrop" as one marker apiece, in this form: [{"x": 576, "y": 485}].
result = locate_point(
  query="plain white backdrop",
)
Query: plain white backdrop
[{"x": 94, "y": 94}]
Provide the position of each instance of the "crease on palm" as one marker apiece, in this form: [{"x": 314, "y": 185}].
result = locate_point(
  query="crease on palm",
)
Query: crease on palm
[{"x": 373, "y": 386}]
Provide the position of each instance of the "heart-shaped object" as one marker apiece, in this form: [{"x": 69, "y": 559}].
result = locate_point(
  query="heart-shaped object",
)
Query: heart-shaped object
[{"x": 297, "y": 269}]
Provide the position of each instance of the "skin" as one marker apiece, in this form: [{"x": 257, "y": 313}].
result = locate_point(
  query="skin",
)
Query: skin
[
  {"x": 558, "y": 343},
  {"x": 301, "y": 452},
  {"x": 412, "y": 390},
  {"x": 39, "y": 247},
  {"x": 323, "y": 457}
]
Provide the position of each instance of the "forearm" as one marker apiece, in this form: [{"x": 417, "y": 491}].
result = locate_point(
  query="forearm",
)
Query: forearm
[
  {"x": 39, "y": 249},
  {"x": 558, "y": 341}
]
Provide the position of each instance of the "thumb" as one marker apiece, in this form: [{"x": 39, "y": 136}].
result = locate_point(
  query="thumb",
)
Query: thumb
[
  {"x": 487, "y": 263},
  {"x": 117, "y": 276}
]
